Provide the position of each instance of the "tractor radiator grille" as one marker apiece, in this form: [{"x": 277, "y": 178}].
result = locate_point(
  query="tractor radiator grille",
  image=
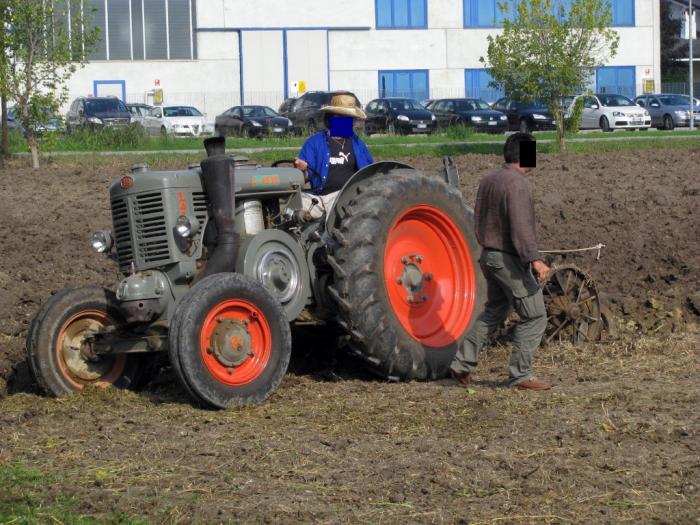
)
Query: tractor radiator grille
[
  {"x": 150, "y": 229},
  {"x": 199, "y": 203},
  {"x": 140, "y": 230},
  {"x": 122, "y": 232}
]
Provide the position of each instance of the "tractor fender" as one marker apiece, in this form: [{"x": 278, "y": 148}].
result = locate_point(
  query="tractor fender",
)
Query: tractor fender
[{"x": 384, "y": 166}]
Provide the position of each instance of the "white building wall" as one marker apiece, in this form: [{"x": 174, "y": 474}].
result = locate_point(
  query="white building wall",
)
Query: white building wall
[{"x": 331, "y": 45}]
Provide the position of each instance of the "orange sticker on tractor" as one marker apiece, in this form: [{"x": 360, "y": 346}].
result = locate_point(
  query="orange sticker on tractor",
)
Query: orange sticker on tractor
[
  {"x": 260, "y": 180},
  {"x": 182, "y": 203}
]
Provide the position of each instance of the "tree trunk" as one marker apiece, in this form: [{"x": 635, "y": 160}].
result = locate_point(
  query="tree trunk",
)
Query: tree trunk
[
  {"x": 5, "y": 140},
  {"x": 31, "y": 140},
  {"x": 561, "y": 129}
]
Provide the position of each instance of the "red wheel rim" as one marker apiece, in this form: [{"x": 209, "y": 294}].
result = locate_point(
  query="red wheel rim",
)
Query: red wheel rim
[
  {"x": 258, "y": 334},
  {"x": 76, "y": 369},
  {"x": 429, "y": 276}
]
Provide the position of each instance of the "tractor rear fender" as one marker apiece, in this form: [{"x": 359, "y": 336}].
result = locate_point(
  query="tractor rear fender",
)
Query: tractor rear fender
[{"x": 365, "y": 173}]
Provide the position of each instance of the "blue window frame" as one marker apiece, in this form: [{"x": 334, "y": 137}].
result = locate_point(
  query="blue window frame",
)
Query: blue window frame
[
  {"x": 622, "y": 12},
  {"x": 485, "y": 13},
  {"x": 482, "y": 13},
  {"x": 404, "y": 83},
  {"x": 620, "y": 80},
  {"x": 401, "y": 14},
  {"x": 476, "y": 84}
]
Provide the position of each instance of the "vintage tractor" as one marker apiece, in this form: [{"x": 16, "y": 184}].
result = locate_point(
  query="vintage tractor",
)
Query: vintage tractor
[{"x": 220, "y": 262}]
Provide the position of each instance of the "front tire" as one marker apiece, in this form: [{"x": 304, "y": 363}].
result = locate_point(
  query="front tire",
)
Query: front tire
[
  {"x": 56, "y": 337},
  {"x": 668, "y": 123},
  {"x": 605, "y": 124},
  {"x": 407, "y": 282},
  {"x": 230, "y": 341}
]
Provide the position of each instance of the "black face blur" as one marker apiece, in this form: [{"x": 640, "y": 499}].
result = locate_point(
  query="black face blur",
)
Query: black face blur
[{"x": 528, "y": 154}]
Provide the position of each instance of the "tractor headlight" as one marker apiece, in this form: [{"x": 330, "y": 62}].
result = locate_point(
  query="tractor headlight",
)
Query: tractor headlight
[
  {"x": 402, "y": 117},
  {"x": 186, "y": 226},
  {"x": 102, "y": 241}
]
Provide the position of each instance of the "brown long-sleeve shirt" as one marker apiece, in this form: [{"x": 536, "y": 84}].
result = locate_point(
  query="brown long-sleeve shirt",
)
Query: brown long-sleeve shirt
[{"x": 504, "y": 214}]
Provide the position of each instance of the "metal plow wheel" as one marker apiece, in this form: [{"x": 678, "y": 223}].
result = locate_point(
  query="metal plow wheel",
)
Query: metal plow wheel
[{"x": 573, "y": 307}]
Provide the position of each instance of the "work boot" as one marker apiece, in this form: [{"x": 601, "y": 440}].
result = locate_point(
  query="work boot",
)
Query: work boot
[
  {"x": 532, "y": 383},
  {"x": 463, "y": 378}
]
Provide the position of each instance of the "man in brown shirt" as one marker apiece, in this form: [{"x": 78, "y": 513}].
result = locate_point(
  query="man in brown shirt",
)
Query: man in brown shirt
[{"x": 504, "y": 218}]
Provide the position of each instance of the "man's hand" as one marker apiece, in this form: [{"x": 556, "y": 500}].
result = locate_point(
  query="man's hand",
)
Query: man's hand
[
  {"x": 541, "y": 270},
  {"x": 300, "y": 164}
]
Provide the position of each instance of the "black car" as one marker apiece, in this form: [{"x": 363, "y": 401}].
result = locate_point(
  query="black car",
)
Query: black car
[
  {"x": 251, "y": 121},
  {"x": 306, "y": 113},
  {"x": 525, "y": 116},
  {"x": 286, "y": 106},
  {"x": 398, "y": 115},
  {"x": 472, "y": 112},
  {"x": 97, "y": 113}
]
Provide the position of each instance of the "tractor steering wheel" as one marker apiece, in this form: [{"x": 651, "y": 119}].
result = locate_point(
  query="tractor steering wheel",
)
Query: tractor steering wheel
[{"x": 291, "y": 161}]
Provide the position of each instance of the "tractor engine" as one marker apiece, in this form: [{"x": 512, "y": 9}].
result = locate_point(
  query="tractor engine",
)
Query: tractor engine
[{"x": 165, "y": 232}]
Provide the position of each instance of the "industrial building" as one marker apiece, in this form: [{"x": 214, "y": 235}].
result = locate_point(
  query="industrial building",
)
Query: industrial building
[{"x": 218, "y": 53}]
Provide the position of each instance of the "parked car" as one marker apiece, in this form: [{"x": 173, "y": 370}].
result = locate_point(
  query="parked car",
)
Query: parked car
[
  {"x": 668, "y": 111},
  {"x": 306, "y": 110},
  {"x": 50, "y": 122},
  {"x": 525, "y": 116},
  {"x": 138, "y": 112},
  {"x": 251, "y": 121},
  {"x": 472, "y": 112},
  {"x": 181, "y": 121},
  {"x": 609, "y": 112},
  {"x": 286, "y": 106},
  {"x": 96, "y": 113},
  {"x": 398, "y": 115}
]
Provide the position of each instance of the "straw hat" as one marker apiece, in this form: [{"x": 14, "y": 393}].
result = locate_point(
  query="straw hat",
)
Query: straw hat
[{"x": 344, "y": 104}]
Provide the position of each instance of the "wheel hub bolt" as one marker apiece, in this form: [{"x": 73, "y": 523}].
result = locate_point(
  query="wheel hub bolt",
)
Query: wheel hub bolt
[
  {"x": 404, "y": 260},
  {"x": 428, "y": 276},
  {"x": 253, "y": 315},
  {"x": 210, "y": 350},
  {"x": 229, "y": 370},
  {"x": 399, "y": 280}
]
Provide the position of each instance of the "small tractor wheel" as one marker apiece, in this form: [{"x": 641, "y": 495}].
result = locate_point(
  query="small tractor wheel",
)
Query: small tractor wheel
[
  {"x": 574, "y": 311},
  {"x": 407, "y": 282},
  {"x": 230, "y": 341},
  {"x": 58, "y": 356}
]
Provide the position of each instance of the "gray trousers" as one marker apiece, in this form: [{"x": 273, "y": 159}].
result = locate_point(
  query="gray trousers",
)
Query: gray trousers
[{"x": 510, "y": 284}]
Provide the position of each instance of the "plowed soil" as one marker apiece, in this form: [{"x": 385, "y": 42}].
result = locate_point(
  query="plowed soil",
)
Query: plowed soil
[{"x": 616, "y": 441}]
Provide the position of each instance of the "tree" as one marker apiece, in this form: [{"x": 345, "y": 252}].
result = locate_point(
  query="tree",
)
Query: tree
[
  {"x": 45, "y": 42},
  {"x": 548, "y": 50},
  {"x": 672, "y": 48},
  {"x": 4, "y": 135}
]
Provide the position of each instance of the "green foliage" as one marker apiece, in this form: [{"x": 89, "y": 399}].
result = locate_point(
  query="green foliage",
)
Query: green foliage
[
  {"x": 547, "y": 51},
  {"x": 132, "y": 136},
  {"x": 458, "y": 132},
  {"x": 573, "y": 123},
  {"x": 41, "y": 51}
]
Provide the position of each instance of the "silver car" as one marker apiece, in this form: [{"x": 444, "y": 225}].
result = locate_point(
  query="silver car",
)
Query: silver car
[{"x": 668, "y": 111}]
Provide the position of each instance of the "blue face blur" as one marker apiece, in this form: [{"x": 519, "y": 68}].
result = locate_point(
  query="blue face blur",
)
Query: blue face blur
[{"x": 340, "y": 126}]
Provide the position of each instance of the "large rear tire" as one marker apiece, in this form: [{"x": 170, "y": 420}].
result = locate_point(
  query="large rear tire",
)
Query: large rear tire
[
  {"x": 230, "y": 341},
  {"x": 56, "y": 354},
  {"x": 407, "y": 282}
]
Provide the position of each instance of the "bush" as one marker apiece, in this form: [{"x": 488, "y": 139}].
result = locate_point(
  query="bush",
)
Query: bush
[
  {"x": 574, "y": 122},
  {"x": 460, "y": 132},
  {"x": 129, "y": 137}
]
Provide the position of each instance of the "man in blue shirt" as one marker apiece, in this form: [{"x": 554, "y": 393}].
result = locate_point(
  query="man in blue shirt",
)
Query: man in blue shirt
[{"x": 331, "y": 156}]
